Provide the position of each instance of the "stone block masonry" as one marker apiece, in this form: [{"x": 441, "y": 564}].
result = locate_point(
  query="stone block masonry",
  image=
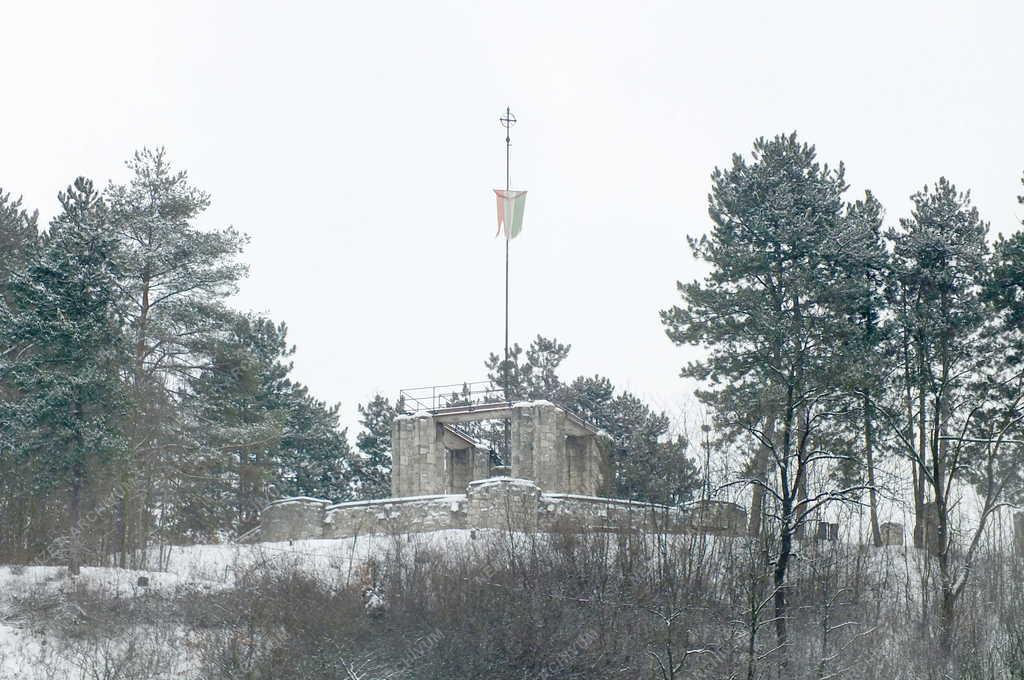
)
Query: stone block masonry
[
  {"x": 503, "y": 503},
  {"x": 293, "y": 519},
  {"x": 395, "y": 515},
  {"x": 561, "y": 453},
  {"x": 891, "y": 533}
]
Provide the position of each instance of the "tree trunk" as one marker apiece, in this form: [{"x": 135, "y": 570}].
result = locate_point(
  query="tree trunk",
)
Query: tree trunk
[
  {"x": 781, "y": 613},
  {"x": 787, "y": 513},
  {"x": 761, "y": 473},
  {"x": 947, "y": 620},
  {"x": 869, "y": 442},
  {"x": 125, "y": 509},
  {"x": 922, "y": 456},
  {"x": 75, "y": 547}
]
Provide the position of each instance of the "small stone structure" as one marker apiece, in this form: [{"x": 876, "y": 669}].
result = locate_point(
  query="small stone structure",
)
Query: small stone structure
[
  {"x": 442, "y": 479},
  {"x": 716, "y": 517},
  {"x": 820, "y": 530},
  {"x": 892, "y": 533},
  {"x": 549, "y": 445}
]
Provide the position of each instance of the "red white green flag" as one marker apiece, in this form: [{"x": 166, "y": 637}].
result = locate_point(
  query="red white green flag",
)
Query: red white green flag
[{"x": 511, "y": 205}]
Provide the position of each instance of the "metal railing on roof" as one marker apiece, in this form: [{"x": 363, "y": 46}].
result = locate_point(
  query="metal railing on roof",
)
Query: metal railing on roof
[{"x": 437, "y": 397}]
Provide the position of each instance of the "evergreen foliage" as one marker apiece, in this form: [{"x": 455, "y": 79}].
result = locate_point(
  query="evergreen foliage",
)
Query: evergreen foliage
[
  {"x": 64, "y": 422},
  {"x": 372, "y": 474}
]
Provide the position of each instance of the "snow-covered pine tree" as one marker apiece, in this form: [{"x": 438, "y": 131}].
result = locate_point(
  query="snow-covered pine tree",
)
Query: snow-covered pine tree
[
  {"x": 174, "y": 279},
  {"x": 68, "y": 357},
  {"x": 649, "y": 462},
  {"x": 314, "y": 457},
  {"x": 256, "y": 433},
  {"x": 19, "y": 233},
  {"x": 959, "y": 318},
  {"x": 372, "y": 474},
  {"x": 769, "y": 329}
]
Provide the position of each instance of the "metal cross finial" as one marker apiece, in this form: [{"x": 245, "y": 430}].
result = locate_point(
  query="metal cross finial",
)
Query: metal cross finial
[{"x": 507, "y": 121}]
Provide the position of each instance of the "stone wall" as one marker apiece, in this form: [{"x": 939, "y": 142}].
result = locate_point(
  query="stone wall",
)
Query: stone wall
[
  {"x": 716, "y": 517},
  {"x": 293, "y": 519},
  {"x": 568, "y": 512},
  {"x": 891, "y": 533},
  {"x": 503, "y": 503},
  {"x": 495, "y": 503},
  {"x": 394, "y": 515}
]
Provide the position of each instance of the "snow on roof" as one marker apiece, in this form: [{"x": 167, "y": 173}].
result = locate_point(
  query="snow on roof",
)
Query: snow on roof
[
  {"x": 494, "y": 481},
  {"x": 400, "y": 499},
  {"x": 413, "y": 416},
  {"x": 602, "y": 499},
  {"x": 530, "y": 404},
  {"x": 300, "y": 499}
]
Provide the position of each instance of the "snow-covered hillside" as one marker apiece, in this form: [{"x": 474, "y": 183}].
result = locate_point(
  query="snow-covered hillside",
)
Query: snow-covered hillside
[{"x": 29, "y": 650}]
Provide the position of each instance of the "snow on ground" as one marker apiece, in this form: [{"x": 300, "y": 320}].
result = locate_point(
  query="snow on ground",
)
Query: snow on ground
[{"x": 28, "y": 653}]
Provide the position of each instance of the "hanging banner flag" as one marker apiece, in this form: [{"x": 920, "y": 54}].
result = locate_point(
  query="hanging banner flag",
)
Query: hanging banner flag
[{"x": 511, "y": 205}]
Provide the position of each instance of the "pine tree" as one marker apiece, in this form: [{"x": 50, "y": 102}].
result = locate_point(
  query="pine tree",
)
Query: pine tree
[
  {"x": 62, "y": 319},
  {"x": 769, "y": 327},
  {"x": 373, "y": 469},
  {"x": 18, "y": 238},
  {"x": 19, "y": 233},
  {"x": 860, "y": 273},
  {"x": 649, "y": 464},
  {"x": 314, "y": 458},
  {"x": 237, "y": 405},
  {"x": 174, "y": 279},
  {"x": 256, "y": 434},
  {"x": 969, "y": 393}
]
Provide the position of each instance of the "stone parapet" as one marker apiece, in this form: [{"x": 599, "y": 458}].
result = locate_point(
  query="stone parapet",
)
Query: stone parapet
[
  {"x": 395, "y": 515},
  {"x": 571, "y": 513},
  {"x": 716, "y": 517},
  {"x": 293, "y": 519},
  {"x": 503, "y": 503}
]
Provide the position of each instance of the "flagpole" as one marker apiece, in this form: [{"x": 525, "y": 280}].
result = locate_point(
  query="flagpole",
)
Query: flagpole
[
  {"x": 508, "y": 186},
  {"x": 508, "y": 121}
]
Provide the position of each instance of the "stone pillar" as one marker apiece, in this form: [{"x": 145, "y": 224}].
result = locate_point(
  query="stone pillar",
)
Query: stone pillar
[
  {"x": 418, "y": 460},
  {"x": 538, "y": 446},
  {"x": 716, "y": 517},
  {"x": 589, "y": 465},
  {"x": 521, "y": 443}
]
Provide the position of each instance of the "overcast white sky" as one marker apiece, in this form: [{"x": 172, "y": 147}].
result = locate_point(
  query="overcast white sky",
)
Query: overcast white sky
[{"x": 358, "y": 143}]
